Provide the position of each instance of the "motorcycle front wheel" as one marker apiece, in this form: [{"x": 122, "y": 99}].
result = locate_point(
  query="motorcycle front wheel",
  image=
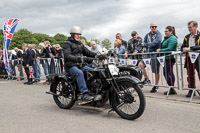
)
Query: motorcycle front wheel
[
  {"x": 64, "y": 97},
  {"x": 130, "y": 102}
]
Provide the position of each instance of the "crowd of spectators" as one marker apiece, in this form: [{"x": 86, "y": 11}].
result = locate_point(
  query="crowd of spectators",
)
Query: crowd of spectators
[{"x": 30, "y": 58}]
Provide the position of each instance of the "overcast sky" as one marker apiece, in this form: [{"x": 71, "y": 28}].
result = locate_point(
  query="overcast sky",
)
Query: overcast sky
[{"x": 101, "y": 19}]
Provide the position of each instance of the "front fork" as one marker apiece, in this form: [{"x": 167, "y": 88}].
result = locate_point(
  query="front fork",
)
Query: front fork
[{"x": 113, "y": 82}]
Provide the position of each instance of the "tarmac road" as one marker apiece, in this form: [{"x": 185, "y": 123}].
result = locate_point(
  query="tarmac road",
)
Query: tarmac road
[{"x": 27, "y": 109}]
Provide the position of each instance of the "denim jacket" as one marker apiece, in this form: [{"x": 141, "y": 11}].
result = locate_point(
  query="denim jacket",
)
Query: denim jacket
[
  {"x": 120, "y": 50},
  {"x": 154, "y": 45}
]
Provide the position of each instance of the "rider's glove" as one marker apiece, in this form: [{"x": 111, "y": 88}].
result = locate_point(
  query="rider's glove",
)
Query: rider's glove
[{"x": 79, "y": 59}]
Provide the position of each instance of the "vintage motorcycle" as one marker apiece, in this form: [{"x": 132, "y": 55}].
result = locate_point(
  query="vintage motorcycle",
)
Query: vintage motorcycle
[{"x": 123, "y": 92}]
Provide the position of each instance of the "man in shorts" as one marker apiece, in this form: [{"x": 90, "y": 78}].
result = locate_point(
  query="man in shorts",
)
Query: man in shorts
[{"x": 152, "y": 42}]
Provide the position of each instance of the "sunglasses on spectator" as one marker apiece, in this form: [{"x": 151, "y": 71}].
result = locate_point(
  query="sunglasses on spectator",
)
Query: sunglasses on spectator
[
  {"x": 153, "y": 26},
  {"x": 189, "y": 27}
]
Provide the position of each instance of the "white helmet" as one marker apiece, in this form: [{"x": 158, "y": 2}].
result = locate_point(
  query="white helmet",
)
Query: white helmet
[{"x": 76, "y": 30}]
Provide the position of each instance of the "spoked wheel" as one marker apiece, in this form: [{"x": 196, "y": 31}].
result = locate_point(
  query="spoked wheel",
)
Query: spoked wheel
[
  {"x": 64, "y": 97},
  {"x": 130, "y": 103}
]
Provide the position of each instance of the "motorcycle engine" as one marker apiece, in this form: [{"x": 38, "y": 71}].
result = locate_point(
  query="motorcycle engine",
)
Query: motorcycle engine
[{"x": 94, "y": 85}]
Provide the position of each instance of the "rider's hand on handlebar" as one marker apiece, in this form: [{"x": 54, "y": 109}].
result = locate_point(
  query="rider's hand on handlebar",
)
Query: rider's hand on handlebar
[
  {"x": 79, "y": 59},
  {"x": 82, "y": 59}
]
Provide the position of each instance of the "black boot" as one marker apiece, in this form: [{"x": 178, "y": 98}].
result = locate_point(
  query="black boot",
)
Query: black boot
[
  {"x": 26, "y": 82},
  {"x": 87, "y": 97},
  {"x": 171, "y": 92},
  {"x": 30, "y": 82},
  {"x": 190, "y": 93}
]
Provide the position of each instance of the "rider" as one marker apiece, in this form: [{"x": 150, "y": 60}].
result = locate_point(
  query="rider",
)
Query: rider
[{"x": 73, "y": 50}]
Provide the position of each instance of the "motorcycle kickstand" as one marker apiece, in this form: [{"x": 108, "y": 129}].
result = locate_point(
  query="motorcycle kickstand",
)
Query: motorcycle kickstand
[{"x": 111, "y": 110}]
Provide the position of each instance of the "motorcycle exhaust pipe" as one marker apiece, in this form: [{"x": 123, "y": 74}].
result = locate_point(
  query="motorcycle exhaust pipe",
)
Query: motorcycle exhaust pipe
[{"x": 86, "y": 102}]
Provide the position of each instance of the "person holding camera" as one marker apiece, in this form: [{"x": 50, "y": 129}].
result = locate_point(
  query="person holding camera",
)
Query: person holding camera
[
  {"x": 52, "y": 52},
  {"x": 73, "y": 51}
]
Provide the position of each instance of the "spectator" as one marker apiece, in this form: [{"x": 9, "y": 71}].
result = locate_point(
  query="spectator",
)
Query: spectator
[
  {"x": 119, "y": 48},
  {"x": 191, "y": 40},
  {"x": 3, "y": 72},
  {"x": 19, "y": 64},
  {"x": 12, "y": 62},
  {"x": 52, "y": 52},
  {"x": 36, "y": 63},
  {"x": 27, "y": 62},
  {"x": 124, "y": 43},
  {"x": 94, "y": 47},
  {"x": 59, "y": 55},
  {"x": 54, "y": 46},
  {"x": 134, "y": 46},
  {"x": 169, "y": 44},
  {"x": 152, "y": 42},
  {"x": 83, "y": 41},
  {"x": 44, "y": 54}
]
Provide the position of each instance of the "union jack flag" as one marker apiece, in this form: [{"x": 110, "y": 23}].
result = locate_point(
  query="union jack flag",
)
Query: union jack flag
[
  {"x": 31, "y": 72},
  {"x": 8, "y": 31}
]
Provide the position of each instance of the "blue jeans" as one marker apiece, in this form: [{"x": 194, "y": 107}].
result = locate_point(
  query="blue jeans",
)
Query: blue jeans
[
  {"x": 36, "y": 69},
  {"x": 38, "y": 66},
  {"x": 169, "y": 76},
  {"x": 80, "y": 77},
  {"x": 46, "y": 68}
]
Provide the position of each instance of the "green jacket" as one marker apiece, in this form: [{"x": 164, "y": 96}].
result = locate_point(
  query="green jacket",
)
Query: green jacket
[{"x": 169, "y": 44}]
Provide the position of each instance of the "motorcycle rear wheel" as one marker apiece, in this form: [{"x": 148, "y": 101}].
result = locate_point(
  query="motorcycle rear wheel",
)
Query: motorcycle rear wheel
[
  {"x": 64, "y": 97},
  {"x": 130, "y": 103}
]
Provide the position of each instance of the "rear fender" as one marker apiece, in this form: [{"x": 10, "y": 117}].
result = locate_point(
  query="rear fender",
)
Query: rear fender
[
  {"x": 134, "y": 71},
  {"x": 132, "y": 79},
  {"x": 54, "y": 79}
]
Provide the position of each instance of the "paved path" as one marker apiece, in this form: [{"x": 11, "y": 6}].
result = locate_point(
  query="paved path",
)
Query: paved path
[{"x": 27, "y": 109}]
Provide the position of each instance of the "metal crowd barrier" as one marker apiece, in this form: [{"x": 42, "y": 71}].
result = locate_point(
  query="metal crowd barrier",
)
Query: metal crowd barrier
[
  {"x": 55, "y": 66},
  {"x": 180, "y": 73}
]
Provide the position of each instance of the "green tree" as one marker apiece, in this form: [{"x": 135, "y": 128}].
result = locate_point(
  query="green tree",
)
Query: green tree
[
  {"x": 59, "y": 39},
  {"x": 1, "y": 38},
  {"x": 106, "y": 43},
  {"x": 20, "y": 37},
  {"x": 41, "y": 37}
]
